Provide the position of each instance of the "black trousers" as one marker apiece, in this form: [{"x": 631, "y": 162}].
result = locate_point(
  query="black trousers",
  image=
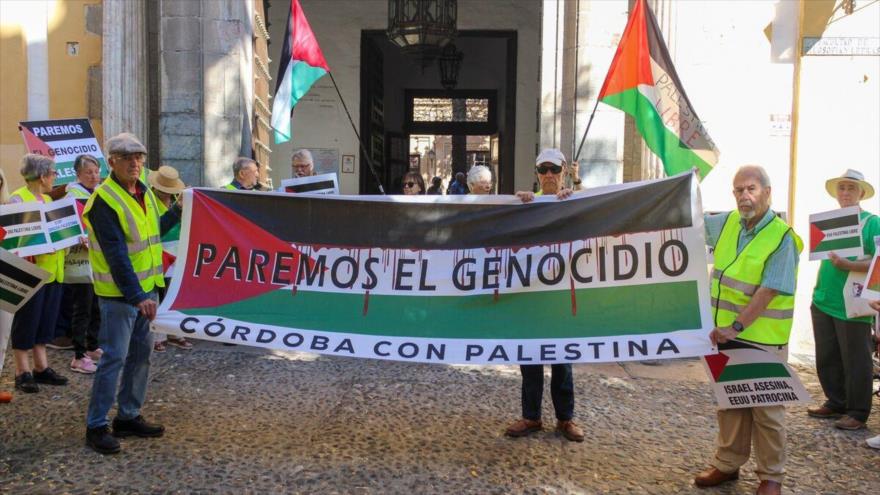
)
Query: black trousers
[
  {"x": 561, "y": 390},
  {"x": 843, "y": 363},
  {"x": 85, "y": 317}
]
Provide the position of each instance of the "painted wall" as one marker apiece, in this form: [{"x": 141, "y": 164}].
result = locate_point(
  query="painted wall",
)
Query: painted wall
[
  {"x": 67, "y": 21},
  {"x": 320, "y": 121}
]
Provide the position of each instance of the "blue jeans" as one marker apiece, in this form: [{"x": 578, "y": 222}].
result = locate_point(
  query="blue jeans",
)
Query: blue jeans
[{"x": 127, "y": 343}]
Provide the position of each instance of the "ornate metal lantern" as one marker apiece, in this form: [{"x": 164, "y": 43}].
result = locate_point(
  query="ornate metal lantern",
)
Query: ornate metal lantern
[
  {"x": 450, "y": 63},
  {"x": 422, "y": 27}
]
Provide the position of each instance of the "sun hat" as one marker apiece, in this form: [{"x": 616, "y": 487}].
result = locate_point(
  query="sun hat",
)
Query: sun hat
[
  {"x": 166, "y": 179},
  {"x": 851, "y": 176}
]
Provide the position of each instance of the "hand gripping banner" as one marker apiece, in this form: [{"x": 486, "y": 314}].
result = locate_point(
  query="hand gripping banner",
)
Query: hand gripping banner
[{"x": 616, "y": 273}]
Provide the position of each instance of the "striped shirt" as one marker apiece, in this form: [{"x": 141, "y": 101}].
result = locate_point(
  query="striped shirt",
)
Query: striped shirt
[{"x": 780, "y": 270}]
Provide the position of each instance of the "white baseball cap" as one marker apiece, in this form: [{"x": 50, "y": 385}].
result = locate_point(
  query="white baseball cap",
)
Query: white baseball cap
[{"x": 550, "y": 155}]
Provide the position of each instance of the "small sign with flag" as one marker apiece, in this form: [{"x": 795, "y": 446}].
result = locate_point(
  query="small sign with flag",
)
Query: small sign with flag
[
  {"x": 19, "y": 281},
  {"x": 745, "y": 374},
  {"x": 839, "y": 231},
  {"x": 316, "y": 184},
  {"x": 63, "y": 223},
  {"x": 25, "y": 230}
]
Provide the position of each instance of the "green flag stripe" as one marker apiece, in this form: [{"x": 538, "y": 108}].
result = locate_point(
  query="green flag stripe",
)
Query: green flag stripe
[
  {"x": 605, "y": 311},
  {"x": 62, "y": 234},
  {"x": 841, "y": 243},
  {"x": 24, "y": 241},
  {"x": 664, "y": 143},
  {"x": 753, "y": 371},
  {"x": 9, "y": 296}
]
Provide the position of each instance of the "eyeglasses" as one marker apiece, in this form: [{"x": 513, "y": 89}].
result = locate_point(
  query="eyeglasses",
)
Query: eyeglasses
[
  {"x": 409, "y": 184},
  {"x": 545, "y": 167}
]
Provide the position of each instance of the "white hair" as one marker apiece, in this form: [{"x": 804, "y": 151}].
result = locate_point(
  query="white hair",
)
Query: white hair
[
  {"x": 476, "y": 173},
  {"x": 758, "y": 171},
  {"x": 303, "y": 155}
]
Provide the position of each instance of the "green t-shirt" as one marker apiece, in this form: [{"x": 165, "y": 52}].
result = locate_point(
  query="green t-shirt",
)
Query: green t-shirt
[{"x": 828, "y": 294}]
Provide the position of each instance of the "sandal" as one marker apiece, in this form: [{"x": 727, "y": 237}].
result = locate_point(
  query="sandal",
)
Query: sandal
[
  {"x": 179, "y": 342},
  {"x": 159, "y": 347}
]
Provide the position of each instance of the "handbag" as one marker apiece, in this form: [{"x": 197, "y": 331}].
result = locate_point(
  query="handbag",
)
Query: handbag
[{"x": 856, "y": 307}]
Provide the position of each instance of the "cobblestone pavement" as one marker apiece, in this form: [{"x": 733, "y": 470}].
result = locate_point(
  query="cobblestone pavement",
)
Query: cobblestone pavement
[{"x": 244, "y": 420}]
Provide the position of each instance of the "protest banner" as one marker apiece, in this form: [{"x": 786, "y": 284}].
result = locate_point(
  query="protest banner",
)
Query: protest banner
[
  {"x": 615, "y": 273},
  {"x": 62, "y": 140},
  {"x": 745, "y": 374},
  {"x": 19, "y": 281},
  {"x": 836, "y": 230},
  {"x": 37, "y": 228},
  {"x": 317, "y": 184}
]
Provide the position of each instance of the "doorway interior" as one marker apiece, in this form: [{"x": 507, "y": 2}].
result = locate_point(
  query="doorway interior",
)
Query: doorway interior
[{"x": 410, "y": 122}]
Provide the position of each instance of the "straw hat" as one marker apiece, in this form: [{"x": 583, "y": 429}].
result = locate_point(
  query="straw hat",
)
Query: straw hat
[
  {"x": 166, "y": 179},
  {"x": 851, "y": 176}
]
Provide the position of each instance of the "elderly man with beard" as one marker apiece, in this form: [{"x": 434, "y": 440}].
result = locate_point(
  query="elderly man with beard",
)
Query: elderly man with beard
[
  {"x": 753, "y": 284},
  {"x": 549, "y": 167}
]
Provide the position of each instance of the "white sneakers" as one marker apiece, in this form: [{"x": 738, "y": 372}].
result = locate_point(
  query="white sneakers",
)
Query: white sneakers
[{"x": 874, "y": 442}]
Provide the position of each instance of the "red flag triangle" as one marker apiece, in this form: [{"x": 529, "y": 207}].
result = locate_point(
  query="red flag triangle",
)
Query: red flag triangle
[
  {"x": 230, "y": 259},
  {"x": 816, "y": 236},
  {"x": 33, "y": 143},
  {"x": 716, "y": 363}
]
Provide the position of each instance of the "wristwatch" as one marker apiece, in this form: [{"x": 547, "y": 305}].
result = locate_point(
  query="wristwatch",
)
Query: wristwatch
[{"x": 737, "y": 326}]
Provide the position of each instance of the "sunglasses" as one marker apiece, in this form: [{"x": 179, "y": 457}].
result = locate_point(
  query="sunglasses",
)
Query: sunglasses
[
  {"x": 409, "y": 184},
  {"x": 544, "y": 168}
]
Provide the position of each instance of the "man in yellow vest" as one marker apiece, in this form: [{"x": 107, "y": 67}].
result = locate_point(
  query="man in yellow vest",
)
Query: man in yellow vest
[
  {"x": 246, "y": 175},
  {"x": 125, "y": 251},
  {"x": 753, "y": 284}
]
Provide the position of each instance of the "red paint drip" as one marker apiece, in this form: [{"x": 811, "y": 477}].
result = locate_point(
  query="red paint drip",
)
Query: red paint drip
[
  {"x": 366, "y": 302},
  {"x": 495, "y": 296},
  {"x": 574, "y": 302}
]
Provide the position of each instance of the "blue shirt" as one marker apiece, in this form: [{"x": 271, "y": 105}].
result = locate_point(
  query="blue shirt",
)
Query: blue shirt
[
  {"x": 105, "y": 224},
  {"x": 780, "y": 270}
]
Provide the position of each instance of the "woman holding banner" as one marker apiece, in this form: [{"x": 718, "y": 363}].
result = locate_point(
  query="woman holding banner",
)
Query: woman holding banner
[{"x": 33, "y": 325}]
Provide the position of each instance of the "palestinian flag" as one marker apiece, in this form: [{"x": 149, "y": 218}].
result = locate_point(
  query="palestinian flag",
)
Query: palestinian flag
[
  {"x": 19, "y": 280},
  {"x": 621, "y": 263},
  {"x": 838, "y": 231},
  {"x": 302, "y": 63},
  {"x": 744, "y": 374},
  {"x": 643, "y": 83}
]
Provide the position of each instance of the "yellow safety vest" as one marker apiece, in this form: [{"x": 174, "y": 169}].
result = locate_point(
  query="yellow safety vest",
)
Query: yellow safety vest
[
  {"x": 51, "y": 262},
  {"x": 230, "y": 186},
  {"x": 76, "y": 190},
  {"x": 141, "y": 239},
  {"x": 737, "y": 277}
]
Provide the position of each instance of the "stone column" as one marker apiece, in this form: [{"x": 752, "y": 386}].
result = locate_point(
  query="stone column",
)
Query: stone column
[{"x": 125, "y": 76}]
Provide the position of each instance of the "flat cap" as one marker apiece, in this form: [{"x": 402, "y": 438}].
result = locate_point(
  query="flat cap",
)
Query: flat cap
[{"x": 124, "y": 143}]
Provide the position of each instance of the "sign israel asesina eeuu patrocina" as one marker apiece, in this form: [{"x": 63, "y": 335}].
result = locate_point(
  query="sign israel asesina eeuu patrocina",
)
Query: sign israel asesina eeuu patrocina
[{"x": 612, "y": 274}]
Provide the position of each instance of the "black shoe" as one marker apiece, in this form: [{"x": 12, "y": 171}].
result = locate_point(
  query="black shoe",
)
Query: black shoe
[
  {"x": 136, "y": 427},
  {"x": 101, "y": 441},
  {"x": 25, "y": 382},
  {"x": 49, "y": 377}
]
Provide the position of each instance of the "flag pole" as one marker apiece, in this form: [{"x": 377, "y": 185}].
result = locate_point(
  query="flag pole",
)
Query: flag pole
[
  {"x": 589, "y": 123},
  {"x": 356, "y": 133}
]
